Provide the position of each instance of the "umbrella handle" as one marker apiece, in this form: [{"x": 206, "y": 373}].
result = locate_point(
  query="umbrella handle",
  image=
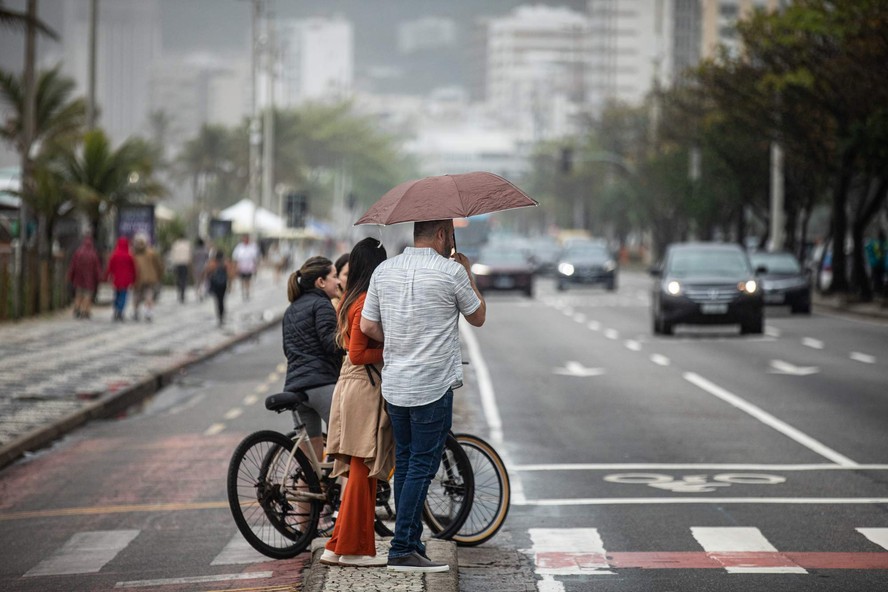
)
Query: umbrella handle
[{"x": 455, "y": 250}]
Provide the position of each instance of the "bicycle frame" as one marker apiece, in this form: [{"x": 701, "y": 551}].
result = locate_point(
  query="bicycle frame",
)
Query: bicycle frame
[{"x": 302, "y": 441}]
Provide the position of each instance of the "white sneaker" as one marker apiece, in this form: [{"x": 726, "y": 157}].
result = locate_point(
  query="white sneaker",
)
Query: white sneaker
[
  {"x": 362, "y": 561},
  {"x": 329, "y": 558}
]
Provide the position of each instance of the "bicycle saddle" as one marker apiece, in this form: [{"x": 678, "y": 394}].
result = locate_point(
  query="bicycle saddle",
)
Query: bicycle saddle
[{"x": 285, "y": 401}]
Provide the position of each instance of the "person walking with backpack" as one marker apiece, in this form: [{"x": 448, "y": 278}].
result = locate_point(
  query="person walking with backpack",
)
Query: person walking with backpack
[
  {"x": 359, "y": 434},
  {"x": 219, "y": 275}
]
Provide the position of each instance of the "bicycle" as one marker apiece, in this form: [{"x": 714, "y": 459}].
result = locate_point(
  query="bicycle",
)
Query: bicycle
[{"x": 278, "y": 490}]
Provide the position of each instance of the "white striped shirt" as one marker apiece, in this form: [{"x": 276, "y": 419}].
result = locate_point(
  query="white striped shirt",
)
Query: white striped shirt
[{"x": 418, "y": 297}]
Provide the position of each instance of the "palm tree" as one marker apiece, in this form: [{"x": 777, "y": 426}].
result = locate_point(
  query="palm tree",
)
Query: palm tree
[
  {"x": 20, "y": 20},
  {"x": 103, "y": 178},
  {"x": 206, "y": 161}
]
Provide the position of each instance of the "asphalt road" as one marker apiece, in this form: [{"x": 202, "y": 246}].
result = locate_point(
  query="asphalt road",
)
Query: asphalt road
[{"x": 703, "y": 461}]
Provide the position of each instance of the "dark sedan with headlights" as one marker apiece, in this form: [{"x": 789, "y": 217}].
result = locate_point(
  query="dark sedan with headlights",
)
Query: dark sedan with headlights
[
  {"x": 706, "y": 284},
  {"x": 503, "y": 268},
  {"x": 586, "y": 263},
  {"x": 784, "y": 282}
]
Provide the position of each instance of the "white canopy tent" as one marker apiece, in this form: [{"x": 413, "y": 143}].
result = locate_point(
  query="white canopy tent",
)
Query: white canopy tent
[{"x": 242, "y": 219}]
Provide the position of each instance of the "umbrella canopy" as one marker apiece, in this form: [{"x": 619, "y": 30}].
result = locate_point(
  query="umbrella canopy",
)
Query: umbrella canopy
[{"x": 444, "y": 197}]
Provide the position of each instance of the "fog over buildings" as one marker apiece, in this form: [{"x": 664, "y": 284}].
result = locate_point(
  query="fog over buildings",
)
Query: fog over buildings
[{"x": 470, "y": 84}]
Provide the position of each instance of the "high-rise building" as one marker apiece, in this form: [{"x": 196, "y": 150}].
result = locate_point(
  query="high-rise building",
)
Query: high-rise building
[
  {"x": 535, "y": 62},
  {"x": 630, "y": 48},
  {"x": 719, "y": 22},
  {"x": 316, "y": 60},
  {"x": 129, "y": 40},
  {"x": 426, "y": 33}
]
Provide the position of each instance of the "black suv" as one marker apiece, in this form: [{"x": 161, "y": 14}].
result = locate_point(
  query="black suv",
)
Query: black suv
[
  {"x": 586, "y": 263},
  {"x": 706, "y": 284}
]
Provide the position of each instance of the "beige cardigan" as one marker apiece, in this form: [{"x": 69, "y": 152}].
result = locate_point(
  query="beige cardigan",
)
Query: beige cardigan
[{"x": 359, "y": 425}]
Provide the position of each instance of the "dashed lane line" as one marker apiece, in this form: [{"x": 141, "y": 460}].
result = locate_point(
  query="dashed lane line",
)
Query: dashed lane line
[
  {"x": 233, "y": 413},
  {"x": 865, "y": 358},
  {"x": 118, "y": 509},
  {"x": 214, "y": 429},
  {"x": 812, "y": 343},
  {"x": 660, "y": 360}
]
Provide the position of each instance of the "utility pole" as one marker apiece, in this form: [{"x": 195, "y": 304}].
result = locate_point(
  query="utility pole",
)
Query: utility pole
[
  {"x": 93, "y": 43},
  {"x": 777, "y": 185},
  {"x": 255, "y": 128},
  {"x": 268, "y": 119},
  {"x": 27, "y": 139}
]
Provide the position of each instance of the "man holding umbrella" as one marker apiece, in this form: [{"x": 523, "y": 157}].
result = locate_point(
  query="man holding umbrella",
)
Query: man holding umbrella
[{"x": 413, "y": 305}]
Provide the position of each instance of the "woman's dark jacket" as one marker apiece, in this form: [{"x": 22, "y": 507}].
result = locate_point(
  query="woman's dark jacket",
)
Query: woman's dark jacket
[{"x": 313, "y": 358}]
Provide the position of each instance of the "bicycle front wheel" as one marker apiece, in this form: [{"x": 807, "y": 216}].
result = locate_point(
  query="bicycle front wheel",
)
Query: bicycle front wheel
[
  {"x": 490, "y": 504},
  {"x": 451, "y": 491},
  {"x": 273, "y": 494}
]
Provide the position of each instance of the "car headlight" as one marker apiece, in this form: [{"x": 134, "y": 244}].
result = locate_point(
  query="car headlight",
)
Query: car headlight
[
  {"x": 673, "y": 287},
  {"x": 610, "y": 265},
  {"x": 480, "y": 269},
  {"x": 565, "y": 268},
  {"x": 749, "y": 286}
]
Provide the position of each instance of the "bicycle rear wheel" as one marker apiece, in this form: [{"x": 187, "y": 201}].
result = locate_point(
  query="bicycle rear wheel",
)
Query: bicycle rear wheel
[
  {"x": 451, "y": 491},
  {"x": 490, "y": 504},
  {"x": 274, "y": 497}
]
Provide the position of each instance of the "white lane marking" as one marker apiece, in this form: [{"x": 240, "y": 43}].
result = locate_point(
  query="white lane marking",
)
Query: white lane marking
[
  {"x": 573, "y": 368},
  {"x": 865, "y": 358},
  {"x": 648, "y": 501},
  {"x": 561, "y": 541},
  {"x": 488, "y": 402},
  {"x": 250, "y": 400},
  {"x": 769, "y": 420},
  {"x": 594, "y": 325},
  {"x": 611, "y": 333},
  {"x": 691, "y": 467},
  {"x": 233, "y": 413},
  {"x": 253, "y": 575},
  {"x": 660, "y": 360},
  {"x": 877, "y": 535},
  {"x": 214, "y": 429},
  {"x": 238, "y": 552},
  {"x": 772, "y": 331},
  {"x": 579, "y": 317},
  {"x": 726, "y": 541},
  {"x": 812, "y": 343},
  {"x": 282, "y": 367},
  {"x": 261, "y": 389},
  {"x": 781, "y": 367},
  {"x": 633, "y": 345},
  {"x": 85, "y": 552}
]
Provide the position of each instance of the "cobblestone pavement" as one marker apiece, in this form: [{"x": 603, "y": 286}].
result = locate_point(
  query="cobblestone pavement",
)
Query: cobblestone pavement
[{"x": 53, "y": 366}]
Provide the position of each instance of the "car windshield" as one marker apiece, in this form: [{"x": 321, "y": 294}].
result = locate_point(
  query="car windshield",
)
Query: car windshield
[
  {"x": 715, "y": 262},
  {"x": 776, "y": 263},
  {"x": 507, "y": 257},
  {"x": 587, "y": 252}
]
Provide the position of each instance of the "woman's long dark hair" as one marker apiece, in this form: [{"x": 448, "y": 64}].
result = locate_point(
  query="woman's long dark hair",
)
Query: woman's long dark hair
[
  {"x": 363, "y": 259},
  {"x": 304, "y": 279}
]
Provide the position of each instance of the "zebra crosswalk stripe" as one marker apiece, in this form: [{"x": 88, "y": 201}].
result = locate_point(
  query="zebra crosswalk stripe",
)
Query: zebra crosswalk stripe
[
  {"x": 238, "y": 552},
  {"x": 743, "y": 550},
  {"x": 85, "y": 552},
  {"x": 878, "y": 536}
]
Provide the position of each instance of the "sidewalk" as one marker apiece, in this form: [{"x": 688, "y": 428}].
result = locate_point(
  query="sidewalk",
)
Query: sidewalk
[
  {"x": 57, "y": 373},
  {"x": 877, "y": 309}
]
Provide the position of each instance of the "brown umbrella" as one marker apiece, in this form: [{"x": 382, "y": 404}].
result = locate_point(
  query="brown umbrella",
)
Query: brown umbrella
[{"x": 444, "y": 197}]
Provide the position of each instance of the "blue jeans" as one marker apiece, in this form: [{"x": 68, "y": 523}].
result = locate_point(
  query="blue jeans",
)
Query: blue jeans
[
  {"x": 419, "y": 442},
  {"x": 120, "y": 299}
]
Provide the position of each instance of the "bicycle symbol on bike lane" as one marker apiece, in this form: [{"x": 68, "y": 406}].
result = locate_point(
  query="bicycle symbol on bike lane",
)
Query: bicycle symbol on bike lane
[{"x": 694, "y": 483}]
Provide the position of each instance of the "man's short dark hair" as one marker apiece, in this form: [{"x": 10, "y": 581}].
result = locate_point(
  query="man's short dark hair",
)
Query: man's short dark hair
[{"x": 428, "y": 228}]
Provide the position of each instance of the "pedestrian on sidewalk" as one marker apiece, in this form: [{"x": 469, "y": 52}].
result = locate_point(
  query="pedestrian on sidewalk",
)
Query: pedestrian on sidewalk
[
  {"x": 84, "y": 274},
  {"x": 359, "y": 434},
  {"x": 121, "y": 273},
  {"x": 180, "y": 259},
  {"x": 199, "y": 262},
  {"x": 309, "y": 336},
  {"x": 246, "y": 258},
  {"x": 149, "y": 275},
  {"x": 218, "y": 278},
  {"x": 413, "y": 303}
]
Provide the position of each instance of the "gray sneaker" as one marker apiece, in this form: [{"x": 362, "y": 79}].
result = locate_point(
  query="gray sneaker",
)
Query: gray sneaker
[{"x": 415, "y": 563}]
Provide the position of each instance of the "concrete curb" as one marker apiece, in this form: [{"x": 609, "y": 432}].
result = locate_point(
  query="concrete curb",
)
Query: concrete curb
[
  {"x": 119, "y": 401},
  {"x": 379, "y": 579}
]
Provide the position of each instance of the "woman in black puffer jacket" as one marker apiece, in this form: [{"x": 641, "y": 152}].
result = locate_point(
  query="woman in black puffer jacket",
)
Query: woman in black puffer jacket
[{"x": 313, "y": 358}]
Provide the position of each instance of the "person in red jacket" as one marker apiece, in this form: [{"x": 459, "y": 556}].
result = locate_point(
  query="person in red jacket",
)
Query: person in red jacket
[
  {"x": 122, "y": 274},
  {"x": 84, "y": 274}
]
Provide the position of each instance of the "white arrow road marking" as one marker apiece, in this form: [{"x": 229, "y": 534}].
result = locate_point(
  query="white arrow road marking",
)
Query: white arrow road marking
[
  {"x": 812, "y": 343},
  {"x": 877, "y": 535},
  {"x": 576, "y": 369},
  {"x": 865, "y": 358},
  {"x": 781, "y": 367}
]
